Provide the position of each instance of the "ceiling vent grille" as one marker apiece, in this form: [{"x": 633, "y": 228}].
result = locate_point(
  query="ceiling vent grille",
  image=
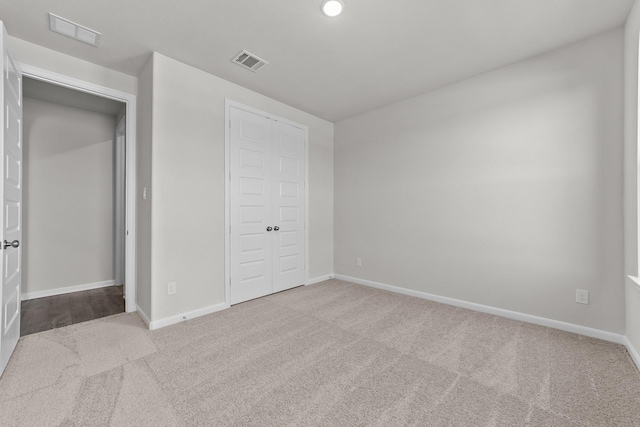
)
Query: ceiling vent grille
[
  {"x": 73, "y": 30},
  {"x": 249, "y": 60}
]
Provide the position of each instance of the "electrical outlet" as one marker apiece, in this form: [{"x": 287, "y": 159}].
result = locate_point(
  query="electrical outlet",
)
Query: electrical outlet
[
  {"x": 358, "y": 262},
  {"x": 171, "y": 288},
  {"x": 582, "y": 296}
]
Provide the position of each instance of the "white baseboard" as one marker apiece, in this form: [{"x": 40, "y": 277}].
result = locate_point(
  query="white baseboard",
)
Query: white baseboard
[
  {"x": 635, "y": 356},
  {"x": 143, "y": 316},
  {"x": 318, "y": 279},
  {"x": 543, "y": 321},
  {"x": 67, "y": 290},
  {"x": 157, "y": 324}
]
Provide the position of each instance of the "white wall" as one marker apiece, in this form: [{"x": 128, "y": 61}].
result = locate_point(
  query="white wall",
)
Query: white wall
[
  {"x": 51, "y": 60},
  {"x": 632, "y": 32},
  {"x": 503, "y": 190},
  {"x": 68, "y": 196},
  {"x": 143, "y": 179},
  {"x": 188, "y": 185}
]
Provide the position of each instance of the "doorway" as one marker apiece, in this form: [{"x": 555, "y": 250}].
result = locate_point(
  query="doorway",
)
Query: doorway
[
  {"x": 29, "y": 71},
  {"x": 73, "y": 206},
  {"x": 125, "y": 135}
]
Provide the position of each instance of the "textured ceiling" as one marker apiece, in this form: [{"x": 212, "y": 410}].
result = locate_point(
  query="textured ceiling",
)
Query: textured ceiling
[{"x": 376, "y": 53}]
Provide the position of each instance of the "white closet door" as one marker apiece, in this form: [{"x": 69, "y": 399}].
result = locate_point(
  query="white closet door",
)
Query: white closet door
[
  {"x": 288, "y": 164},
  {"x": 251, "y": 206}
]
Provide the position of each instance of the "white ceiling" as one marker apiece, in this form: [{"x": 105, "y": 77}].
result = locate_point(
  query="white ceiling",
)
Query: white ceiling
[
  {"x": 32, "y": 88},
  {"x": 376, "y": 53}
]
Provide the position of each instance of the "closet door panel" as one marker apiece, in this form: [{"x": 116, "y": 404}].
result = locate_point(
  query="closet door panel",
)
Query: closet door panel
[
  {"x": 251, "y": 206},
  {"x": 288, "y": 181}
]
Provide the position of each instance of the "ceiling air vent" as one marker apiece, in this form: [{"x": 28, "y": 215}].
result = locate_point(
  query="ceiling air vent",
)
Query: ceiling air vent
[
  {"x": 249, "y": 60},
  {"x": 75, "y": 31}
]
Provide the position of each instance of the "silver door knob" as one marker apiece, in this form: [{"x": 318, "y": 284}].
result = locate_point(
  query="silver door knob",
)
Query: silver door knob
[
  {"x": 269, "y": 228},
  {"x": 14, "y": 244},
  {"x": 276, "y": 228}
]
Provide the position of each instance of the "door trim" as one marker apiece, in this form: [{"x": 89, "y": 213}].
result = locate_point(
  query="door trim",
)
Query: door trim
[
  {"x": 131, "y": 121},
  {"x": 228, "y": 104},
  {"x": 120, "y": 201}
]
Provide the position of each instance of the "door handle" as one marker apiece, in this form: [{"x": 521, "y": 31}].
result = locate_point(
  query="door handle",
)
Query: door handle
[
  {"x": 276, "y": 228},
  {"x": 14, "y": 244},
  {"x": 269, "y": 228}
]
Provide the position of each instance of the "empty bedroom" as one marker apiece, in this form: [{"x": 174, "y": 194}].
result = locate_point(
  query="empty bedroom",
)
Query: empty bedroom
[{"x": 326, "y": 212}]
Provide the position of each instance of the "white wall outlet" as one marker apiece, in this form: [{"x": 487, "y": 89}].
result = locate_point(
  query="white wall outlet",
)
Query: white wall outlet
[
  {"x": 358, "y": 262},
  {"x": 144, "y": 193},
  {"x": 582, "y": 296},
  {"x": 171, "y": 288}
]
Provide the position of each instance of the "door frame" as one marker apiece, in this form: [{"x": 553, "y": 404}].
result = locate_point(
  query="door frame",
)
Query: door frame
[
  {"x": 120, "y": 199},
  {"x": 228, "y": 104},
  {"x": 130, "y": 161}
]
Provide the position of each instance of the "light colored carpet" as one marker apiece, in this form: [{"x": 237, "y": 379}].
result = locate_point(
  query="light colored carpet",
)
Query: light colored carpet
[{"x": 334, "y": 353}]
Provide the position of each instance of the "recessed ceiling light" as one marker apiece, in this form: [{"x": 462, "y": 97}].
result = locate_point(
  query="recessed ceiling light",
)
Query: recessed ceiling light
[
  {"x": 332, "y": 7},
  {"x": 75, "y": 31}
]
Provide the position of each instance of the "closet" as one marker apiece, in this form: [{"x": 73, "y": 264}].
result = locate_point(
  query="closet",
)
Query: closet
[{"x": 267, "y": 205}]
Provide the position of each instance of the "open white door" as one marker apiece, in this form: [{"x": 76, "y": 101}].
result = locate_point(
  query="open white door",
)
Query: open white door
[{"x": 11, "y": 195}]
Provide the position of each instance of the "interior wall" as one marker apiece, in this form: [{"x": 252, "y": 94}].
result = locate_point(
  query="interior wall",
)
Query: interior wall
[
  {"x": 503, "y": 190},
  {"x": 68, "y": 210},
  {"x": 51, "y": 60},
  {"x": 632, "y": 307},
  {"x": 188, "y": 203},
  {"x": 143, "y": 180}
]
